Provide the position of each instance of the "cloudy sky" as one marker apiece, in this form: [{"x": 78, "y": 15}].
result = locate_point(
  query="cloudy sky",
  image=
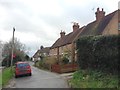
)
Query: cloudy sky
[{"x": 39, "y": 22}]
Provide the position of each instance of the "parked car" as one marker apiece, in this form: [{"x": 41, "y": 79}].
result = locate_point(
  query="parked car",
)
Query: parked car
[{"x": 22, "y": 68}]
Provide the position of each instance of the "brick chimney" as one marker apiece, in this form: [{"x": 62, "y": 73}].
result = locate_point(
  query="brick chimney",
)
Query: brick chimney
[
  {"x": 62, "y": 34},
  {"x": 99, "y": 14},
  {"x": 75, "y": 26}
]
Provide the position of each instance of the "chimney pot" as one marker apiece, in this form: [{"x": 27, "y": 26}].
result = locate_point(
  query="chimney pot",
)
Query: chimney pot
[
  {"x": 99, "y": 14},
  {"x": 62, "y": 34},
  {"x": 75, "y": 26},
  {"x": 98, "y": 9},
  {"x": 102, "y": 9}
]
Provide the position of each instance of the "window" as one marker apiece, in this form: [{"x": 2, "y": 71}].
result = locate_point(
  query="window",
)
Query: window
[
  {"x": 22, "y": 65},
  {"x": 119, "y": 26}
]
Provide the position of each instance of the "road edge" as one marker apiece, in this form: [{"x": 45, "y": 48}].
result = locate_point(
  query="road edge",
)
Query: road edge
[{"x": 10, "y": 84}]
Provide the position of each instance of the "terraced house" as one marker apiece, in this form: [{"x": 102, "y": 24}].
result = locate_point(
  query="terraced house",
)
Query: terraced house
[
  {"x": 66, "y": 43},
  {"x": 103, "y": 25},
  {"x": 42, "y": 52}
]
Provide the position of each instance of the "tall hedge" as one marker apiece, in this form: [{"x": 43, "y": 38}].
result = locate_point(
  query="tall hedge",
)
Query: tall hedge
[{"x": 98, "y": 53}]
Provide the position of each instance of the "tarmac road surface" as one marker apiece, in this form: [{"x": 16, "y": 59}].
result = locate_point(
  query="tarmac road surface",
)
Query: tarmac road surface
[{"x": 40, "y": 79}]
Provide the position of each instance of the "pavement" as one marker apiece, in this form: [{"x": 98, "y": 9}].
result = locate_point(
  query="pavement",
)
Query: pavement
[
  {"x": 1, "y": 69},
  {"x": 11, "y": 83},
  {"x": 67, "y": 76}
]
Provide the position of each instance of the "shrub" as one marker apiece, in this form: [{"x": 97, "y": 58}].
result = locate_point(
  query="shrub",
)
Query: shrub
[
  {"x": 98, "y": 53},
  {"x": 65, "y": 60},
  {"x": 93, "y": 79},
  {"x": 46, "y": 62},
  {"x": 50, "y": 60}
]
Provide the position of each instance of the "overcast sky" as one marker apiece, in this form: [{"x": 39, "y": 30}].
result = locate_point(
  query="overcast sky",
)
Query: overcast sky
[{"x": 39, "y": 22}]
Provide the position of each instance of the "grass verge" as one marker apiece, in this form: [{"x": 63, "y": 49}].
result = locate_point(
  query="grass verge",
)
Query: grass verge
[
  {"x": 93, "y": 79},
  {"x": 7, "y": 74},
  {"x": 0, "y": 79}
]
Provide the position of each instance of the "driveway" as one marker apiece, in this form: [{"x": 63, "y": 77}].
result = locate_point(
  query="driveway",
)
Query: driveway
[{"x": 41, "y": 79}]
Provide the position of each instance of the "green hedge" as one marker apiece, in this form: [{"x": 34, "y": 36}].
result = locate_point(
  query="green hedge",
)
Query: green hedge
[{"x": 99, "y": 53}]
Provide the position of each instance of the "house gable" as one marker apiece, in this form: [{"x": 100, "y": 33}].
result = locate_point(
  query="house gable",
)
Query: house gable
[
  {"x": 42, "y": 51},
  {"x": 112, "y": 27},
  {"x": 67, "y": 39},
  {"x": 97, "y": 28}
]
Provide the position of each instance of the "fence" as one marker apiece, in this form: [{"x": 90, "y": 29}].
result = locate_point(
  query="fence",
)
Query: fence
[{"x": 64, "y": 68}]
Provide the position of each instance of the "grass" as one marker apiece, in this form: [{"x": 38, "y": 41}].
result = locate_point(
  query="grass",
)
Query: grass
[
  {"x": 7, "y": 74},
  {"x": 0, "y": 80},
  {"x": 93, "y": 79}
]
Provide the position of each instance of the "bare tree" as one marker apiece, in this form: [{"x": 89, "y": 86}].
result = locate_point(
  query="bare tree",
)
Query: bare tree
[
  {"x": 19, "y": 51},
  {"x": 1, "y": 47}
]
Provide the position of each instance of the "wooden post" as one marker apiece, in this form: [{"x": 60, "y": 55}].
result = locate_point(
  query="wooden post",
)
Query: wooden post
[
  {"x": 73, "y": 55},
  {"x": 73, "y": 52},
  {"x": 12, "y": 52},
  {"x": 58, "y": 55}
]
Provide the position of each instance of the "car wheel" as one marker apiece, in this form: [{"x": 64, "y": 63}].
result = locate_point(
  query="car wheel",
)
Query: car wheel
[
  {"x": 16, "y": 76},
  {"x": 30, "y": 74}
]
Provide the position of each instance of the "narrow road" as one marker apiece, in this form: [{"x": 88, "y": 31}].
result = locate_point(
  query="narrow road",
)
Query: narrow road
[{"x": 41, "y": 79}]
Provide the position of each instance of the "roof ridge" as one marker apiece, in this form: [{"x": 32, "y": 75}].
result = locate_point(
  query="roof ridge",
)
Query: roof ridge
[{"x": 89, "y": 29}]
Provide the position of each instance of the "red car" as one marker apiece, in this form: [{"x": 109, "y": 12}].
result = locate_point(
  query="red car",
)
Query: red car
[{"x": 22, "y": 68}]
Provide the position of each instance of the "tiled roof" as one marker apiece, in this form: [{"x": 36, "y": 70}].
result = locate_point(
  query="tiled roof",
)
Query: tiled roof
[
  {"x": 67, "y": 39},
  {"x": 93, "y": 28},
  {"x": 96, "y": 28},
  {"x": 43, "y": 50}
]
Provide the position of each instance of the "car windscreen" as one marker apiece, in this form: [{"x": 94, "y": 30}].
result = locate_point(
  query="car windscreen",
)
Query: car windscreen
[{"x": 22, "y": 65}]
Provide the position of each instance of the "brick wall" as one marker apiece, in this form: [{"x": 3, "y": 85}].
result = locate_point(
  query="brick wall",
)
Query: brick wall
[
  {"x": 64, "y": 49},
  {"x": 53, "y": 51},
  {"x": 112, "y": 27}
]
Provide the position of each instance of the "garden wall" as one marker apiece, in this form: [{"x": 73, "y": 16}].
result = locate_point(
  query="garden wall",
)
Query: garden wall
[{"x": 64, "y": 68}]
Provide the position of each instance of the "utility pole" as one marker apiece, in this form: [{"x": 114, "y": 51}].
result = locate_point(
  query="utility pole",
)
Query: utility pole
[{"x": 12, "y": 48}]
